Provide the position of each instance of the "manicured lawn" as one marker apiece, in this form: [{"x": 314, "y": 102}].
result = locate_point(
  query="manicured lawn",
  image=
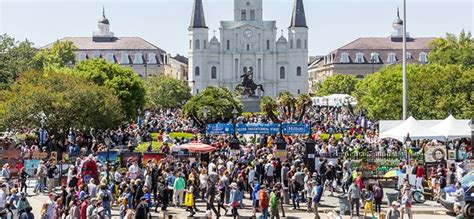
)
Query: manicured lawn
[
  {"x": 180, "y": 135},
  {"x": 141, "y": 148}
]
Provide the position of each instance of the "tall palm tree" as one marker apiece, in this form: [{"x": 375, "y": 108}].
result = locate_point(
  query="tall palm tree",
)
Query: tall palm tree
[
  {"x": 269, "y": 105},
  {"x": 303, "y": 102},
  {"x": 287, "y": 102}
]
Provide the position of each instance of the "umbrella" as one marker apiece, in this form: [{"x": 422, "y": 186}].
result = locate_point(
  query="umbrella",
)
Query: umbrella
[
  {"x": 392, "y": 173},
  {"x": 197, "y": 147}
]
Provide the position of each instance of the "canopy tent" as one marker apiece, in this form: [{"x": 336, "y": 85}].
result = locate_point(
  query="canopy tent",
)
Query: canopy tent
[
  {"x": 334, "y": 100},
  {"x": 197, "y": 147},
  {"x": 412, "y": 127},
  {"x": 451, "y": 128}
]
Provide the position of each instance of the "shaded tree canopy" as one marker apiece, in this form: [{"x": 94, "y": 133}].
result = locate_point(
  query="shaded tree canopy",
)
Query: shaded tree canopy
[
  {"x": 65, "y": 100},
  {"x": 165, "y": 92},
  {"x": 123, "y": 82}
]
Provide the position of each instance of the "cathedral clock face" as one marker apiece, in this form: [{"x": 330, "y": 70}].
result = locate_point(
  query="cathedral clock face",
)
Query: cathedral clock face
[{"x": 248, "y": 33}]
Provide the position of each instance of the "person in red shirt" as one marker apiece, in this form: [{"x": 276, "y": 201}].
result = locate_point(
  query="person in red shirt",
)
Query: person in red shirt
[
  {"x": 84, "y": 206},
  {"x": 419, "y": 177}
]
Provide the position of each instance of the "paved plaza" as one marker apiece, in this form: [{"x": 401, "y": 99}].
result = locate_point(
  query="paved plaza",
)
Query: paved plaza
[{"x": 430, "y": 209}]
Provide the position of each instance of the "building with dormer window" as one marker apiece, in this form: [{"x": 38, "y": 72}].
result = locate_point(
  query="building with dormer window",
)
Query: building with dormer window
[
  {"x": 141, "y": 56},
  {"x": 366, "y": 55}
]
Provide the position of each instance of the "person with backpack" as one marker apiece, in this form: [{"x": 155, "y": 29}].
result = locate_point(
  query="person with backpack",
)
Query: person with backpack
[
  {"x": 274, "y": 203},
  {"x": 107, "y": 198},
  {"x": 27, "y": 214},
  {"x": 378, "y": 196},
  {"x": 234, "y": 199},
  {"x": 264, "y": 202},
  {"x": 317, "y": 193}
]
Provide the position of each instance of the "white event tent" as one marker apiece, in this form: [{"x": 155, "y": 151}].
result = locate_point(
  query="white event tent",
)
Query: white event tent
[
  {"x": 412, "y": 127},
  {"x": 450, "y": 128}
]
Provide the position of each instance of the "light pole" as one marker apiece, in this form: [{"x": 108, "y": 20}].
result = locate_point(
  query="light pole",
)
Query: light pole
[
  {"x": 407, "y": 146},
  {"x": 372, "y": 60},
  {"x": 107, "y": 141},
  {"x": 234, "y": 142},
  {"x": 42, "y": 131},
  {"x": 404, "y": 63}
]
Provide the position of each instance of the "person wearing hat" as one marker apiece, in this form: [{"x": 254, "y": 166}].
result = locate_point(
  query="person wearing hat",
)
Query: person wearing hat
[
  {"x": 142, "y": 209},
  {"x": 393, "y": 212},
  {"x": 6, "y": 172},
  {"x": 234, "y": 199},
  {"x": 90, "y": 209}
]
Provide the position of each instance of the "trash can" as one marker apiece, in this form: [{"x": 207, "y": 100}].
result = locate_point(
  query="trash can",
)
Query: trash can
[
  {"x": 344, "y": 205},
  {"x": 286, "y": 196},
  {"x": 392, "y": 196}
]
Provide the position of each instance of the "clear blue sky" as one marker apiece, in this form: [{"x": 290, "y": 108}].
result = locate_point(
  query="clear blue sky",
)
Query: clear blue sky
[{"x": 332, "y": 23}]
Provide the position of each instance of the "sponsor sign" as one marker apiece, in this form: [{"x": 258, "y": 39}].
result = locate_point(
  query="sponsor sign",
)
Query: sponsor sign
[
  {"x": 295, "y": 129},
  {"x": 220, "y": 129},
  {"x": 152, "y": 156},
  {"x": 257, "y": 128}
]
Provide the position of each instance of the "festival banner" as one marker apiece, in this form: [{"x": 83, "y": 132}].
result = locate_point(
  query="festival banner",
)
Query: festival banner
[
  {"x": 124, "y": 157},
  {"x": 31, "y": 166},
  {"x": 152, "y": 156},
  {"x": 295, "y": 129},
  {"x": 102, "y": 156},
  {"x": 8, "y": 154},
  {"x": 257, "y": 128},
  {"x": 220, "y": 129}
]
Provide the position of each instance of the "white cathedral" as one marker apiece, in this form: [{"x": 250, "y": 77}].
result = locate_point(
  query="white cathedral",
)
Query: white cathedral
[{"x": 249, "y": 43}]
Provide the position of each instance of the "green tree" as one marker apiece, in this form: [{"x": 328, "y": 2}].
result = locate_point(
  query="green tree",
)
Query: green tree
[
  {"x": 61, "y": 54},
  {"x": 337, "y": 84},
  {"x": 66, "y": 100},
  {"x": 434, "y": 92},
  {"x": 165, "y": 92},
  {"x": 303, "y": 103},
  {"x": 219, "y": 102},
  {"x": 269, "y": 106},
  {"x": 123, "y": 82},
  {"x": 453, "y": 49},
  {"x": 286, "y": 101},
  {"x": 15, "y": 58}
]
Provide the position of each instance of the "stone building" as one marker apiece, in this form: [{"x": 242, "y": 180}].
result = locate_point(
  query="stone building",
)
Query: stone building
[
  {"x": 141, "y": 56},
  {"x": 366, "y": 55},
  {"x": 248, "y": 43}
]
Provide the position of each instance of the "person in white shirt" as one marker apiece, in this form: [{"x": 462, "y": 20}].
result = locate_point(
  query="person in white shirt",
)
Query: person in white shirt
[
  {"x": 269, "y": 171},
  {"x": 3, "y": 197},
  {"x": 92, "y": 188},
  {"x": 51, "y": 205},
  {"x": 134, "y": 170}
]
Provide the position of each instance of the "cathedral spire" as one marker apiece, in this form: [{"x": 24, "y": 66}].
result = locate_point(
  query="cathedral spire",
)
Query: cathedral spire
[
  {"x": 197, "y": 15},
  {"x": 298, "y": 18}
]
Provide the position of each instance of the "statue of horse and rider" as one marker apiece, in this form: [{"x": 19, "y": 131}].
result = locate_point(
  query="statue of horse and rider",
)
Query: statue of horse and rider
[{"x": 248, "y": 85}]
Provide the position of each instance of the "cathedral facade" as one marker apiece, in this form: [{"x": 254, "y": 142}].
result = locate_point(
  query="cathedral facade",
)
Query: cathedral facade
[{"x": 248, "y": 44}]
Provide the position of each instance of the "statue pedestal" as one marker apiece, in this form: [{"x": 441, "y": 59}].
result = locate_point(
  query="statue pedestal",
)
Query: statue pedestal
[{"x": 251, "y": 104}]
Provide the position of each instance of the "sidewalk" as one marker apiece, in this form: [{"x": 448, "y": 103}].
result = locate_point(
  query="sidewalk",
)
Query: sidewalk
[{"x": 328, "y": 205}]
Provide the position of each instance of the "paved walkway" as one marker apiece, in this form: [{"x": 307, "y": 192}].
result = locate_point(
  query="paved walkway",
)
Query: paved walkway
[{"x": 430, "y": 209}]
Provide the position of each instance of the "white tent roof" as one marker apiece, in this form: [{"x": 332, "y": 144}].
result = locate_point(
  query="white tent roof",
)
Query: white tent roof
[
  {"x": 414, "y": 128},
  {"x": 452, "y": 128}
]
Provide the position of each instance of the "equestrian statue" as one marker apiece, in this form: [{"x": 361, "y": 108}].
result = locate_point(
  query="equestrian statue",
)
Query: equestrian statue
[{"x": 248, "y": 86}]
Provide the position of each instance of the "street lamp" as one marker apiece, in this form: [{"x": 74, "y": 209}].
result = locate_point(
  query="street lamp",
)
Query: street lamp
[
  {"x": 234, "y": 142},
  {"x": 407, "y": 146},
  {"x": 107, "y": 141},
  {"x": 43, "y": 133},
  {"x": 310, "y": 150},
  {"x": 373, "y": 59}
]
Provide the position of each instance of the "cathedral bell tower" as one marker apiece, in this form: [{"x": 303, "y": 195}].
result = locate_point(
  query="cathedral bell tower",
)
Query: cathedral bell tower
[
  {"x": 248, "y": 10},
  {"x": 198, "y": 34}
]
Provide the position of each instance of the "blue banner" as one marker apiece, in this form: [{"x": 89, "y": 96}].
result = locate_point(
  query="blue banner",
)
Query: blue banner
[
  {"x": 102, "y": 156},
  {"x": 258, "y": 128},
  {"x": 295, "y": 129},
  {"x": 220, "y": 129}
]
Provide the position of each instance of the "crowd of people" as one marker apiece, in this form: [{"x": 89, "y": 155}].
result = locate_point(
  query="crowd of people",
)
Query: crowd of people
[{"x": 220, "y": 179}]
